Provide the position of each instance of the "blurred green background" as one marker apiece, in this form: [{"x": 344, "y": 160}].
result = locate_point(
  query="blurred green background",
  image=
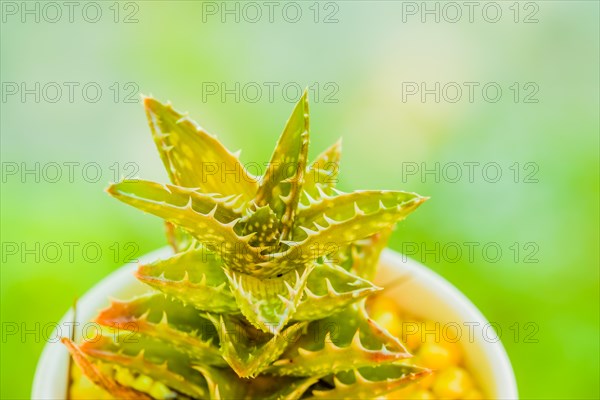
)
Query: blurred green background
[{"x": 358, "y": 60}]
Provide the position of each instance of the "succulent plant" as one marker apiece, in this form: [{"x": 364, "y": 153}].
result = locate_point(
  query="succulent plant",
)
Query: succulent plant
[{"x": 264, "y": 294}]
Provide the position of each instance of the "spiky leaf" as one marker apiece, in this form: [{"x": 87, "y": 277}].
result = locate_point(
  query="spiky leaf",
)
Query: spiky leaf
[
  {"x": 330, "y": 289},
  {"x": 347, "y": 340},
  {"x": 209, "y": 218},
  {"x": 322, "y": 174},
  {"x": 249, "y": 350},
  {"x": 93, "y": 373},
  {"x": 264, "y": 226},
  {"x": 193, "y": 158},
  {"x": 347, "y": 205},
  {"x": 224, "y": 384},
  {"x": 157, "y": 359},
  {"x": 361, "y": 257},
  {"x": 195, "y": 277},
  {"x": 282, "y": 182},
  {"x": 178, "y": 239},
  {"x": 269, "y": 304},
  {"x": 370, "y": 382},
  {"x": 160, "y": 318},
  {"x": 318, "y": 233}
]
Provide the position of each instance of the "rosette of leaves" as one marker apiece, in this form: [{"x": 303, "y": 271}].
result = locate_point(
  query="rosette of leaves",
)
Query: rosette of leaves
[{"x": 264, "y": 294}]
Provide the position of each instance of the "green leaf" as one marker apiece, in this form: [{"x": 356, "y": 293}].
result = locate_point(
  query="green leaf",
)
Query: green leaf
[
  {"x": 263, "y": 224},
  {"x": 362, "y": 256},
  {"x": 325, "y": 226},
  {"x": 347, "y": 340},
  {"x": 151, "y": 196},
  {"x": 195, "y": 277},
  {"x": 281, "y": 185},
  {"x": 160, "y": 318},
  {"x": 209, "y": 218},
  {"x": 178, "y": 239},
  {"x": 322, "y": 174},
  {"x": 289, "y": 388},
  {"x": 330, "y": 289},
  {"x": 347, "y": 205},
  {"x": 193, "y": 158},
  {"x": 156, "y": 359},
  {"x": 269, "y": 304},
  {"x": 248, "y": 350},
  {"x": 370, "y": 382},
  {"x": 93, "y": 373},
  {"x": 225, "y": 384}
]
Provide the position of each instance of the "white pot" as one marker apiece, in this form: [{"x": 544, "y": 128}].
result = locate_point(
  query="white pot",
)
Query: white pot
[{"x": 422, "y": 293}]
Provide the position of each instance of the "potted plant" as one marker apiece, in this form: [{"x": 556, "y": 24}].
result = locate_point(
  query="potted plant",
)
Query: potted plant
[{"x": 263, "y": 293}]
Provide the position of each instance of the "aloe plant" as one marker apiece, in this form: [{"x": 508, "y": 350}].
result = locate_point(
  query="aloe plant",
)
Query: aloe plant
[{"x": 264, "y": 294}]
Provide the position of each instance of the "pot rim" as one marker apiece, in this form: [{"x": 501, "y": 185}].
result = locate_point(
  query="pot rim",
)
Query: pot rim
[{"x": 503, "y": 384}]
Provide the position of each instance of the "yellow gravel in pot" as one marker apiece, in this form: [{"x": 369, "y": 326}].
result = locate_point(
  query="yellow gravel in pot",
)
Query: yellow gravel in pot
[{"x": 450, "y": 378}]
